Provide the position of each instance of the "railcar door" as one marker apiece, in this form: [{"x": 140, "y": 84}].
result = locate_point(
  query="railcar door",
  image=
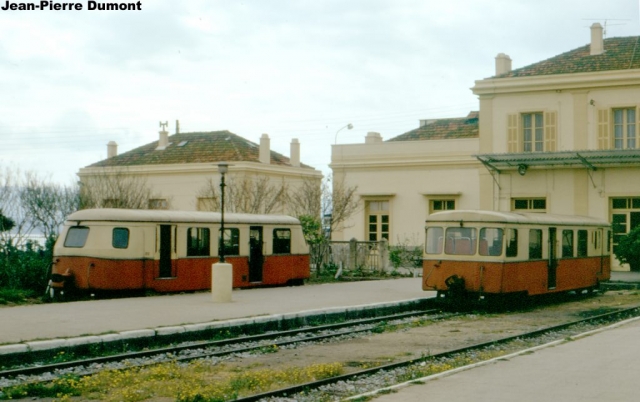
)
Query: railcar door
[
  {"x": 553, "y": 260},
  {"x": 167, "y": 244},
  {"x": 256, "y": 257}
]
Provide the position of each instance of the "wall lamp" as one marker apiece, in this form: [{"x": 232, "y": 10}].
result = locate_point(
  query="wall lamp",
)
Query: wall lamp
[{"x": 522, "y": 169}]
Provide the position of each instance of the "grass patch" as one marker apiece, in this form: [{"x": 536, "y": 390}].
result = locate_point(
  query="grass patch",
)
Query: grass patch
[
  {"x": 17, "y": 296},
  {"x": 197, "y": 381}
]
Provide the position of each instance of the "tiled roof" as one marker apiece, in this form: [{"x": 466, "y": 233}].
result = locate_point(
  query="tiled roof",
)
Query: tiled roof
[
  {"x": 443, "y": 129},
  {"x": 619, "y": 54},
  {"x": 215, "y": 146}
]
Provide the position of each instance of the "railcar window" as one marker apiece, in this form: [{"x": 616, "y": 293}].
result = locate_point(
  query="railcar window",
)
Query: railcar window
[
  {"x": 281, "y": 241},
  {"x": 535, "y": 244},
  {"x": 490, "y": 243},
  {"x": 512, "y": 242},
  {"x": 231, "y": 242},
  {"x": 435, "y": 240},
  {"x": 76, "y": 236},
  {"x": 583, "y": 242},
  {"x": 460, "y": 241},
  {"x": 567, "y": 243},
  {"x": 198, "y": 242},
  {"x": 120, "y": 238}
]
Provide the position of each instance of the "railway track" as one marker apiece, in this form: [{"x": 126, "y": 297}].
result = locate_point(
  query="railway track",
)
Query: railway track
[
  {"x": 309, "y": 391},
  {"x": 205, "y": 349}
]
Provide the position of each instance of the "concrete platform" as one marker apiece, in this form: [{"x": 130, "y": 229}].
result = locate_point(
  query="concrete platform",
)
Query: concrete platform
[
  {"x": 600, "y": 367},
  {"x": 24, "y": 324}
]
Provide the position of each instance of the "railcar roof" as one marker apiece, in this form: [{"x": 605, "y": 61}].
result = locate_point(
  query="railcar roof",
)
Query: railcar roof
[
  {"x": 140, "y": 215},
  {"x": 526, "y": 218}
]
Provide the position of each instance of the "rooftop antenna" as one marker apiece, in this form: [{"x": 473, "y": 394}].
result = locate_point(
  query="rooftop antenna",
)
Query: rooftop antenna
[{"x": 606, "y": 22}]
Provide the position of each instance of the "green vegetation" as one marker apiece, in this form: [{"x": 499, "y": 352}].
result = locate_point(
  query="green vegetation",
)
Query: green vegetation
[{"x": 628, "y": 249}]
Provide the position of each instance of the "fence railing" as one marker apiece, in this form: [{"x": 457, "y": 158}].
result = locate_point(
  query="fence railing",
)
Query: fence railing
[{"x": 367, "y": 256}]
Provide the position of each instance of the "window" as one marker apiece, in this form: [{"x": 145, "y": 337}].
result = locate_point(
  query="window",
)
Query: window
[
  {"x": 207, "y": 204},
  {"x": 231, "y": 242},
  {"x": 583, "y": 243},
  {"x": 533, "y": 132},
  {"x": 281, "y": 241},
  {"x": 624, "y": 128},
  {"x": 198, "y": 242},
  {"x": 158, "y": 204},
  {"x": 529, "y": 204},
  {"x": 377, "y": 220},
  {"x": 512, "y": 242},
  {"x": 76, "y": 236},
  {"x": 434, "y": 240},
  {"x": 625, "y": 216},
  {"x": 442, "y": 205},
  {"x": 120, "y": 238},
  {"x": 535, "y": 244},
  {"x": 490, "y": 243},
  {"x": 460, "y": 241},
  {"x": 567, "y": 243}
]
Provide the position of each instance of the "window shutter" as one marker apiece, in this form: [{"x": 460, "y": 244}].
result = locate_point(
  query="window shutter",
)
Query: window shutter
[
  {"x": 550, "y": 131},
  {"x": 604, "y": 142},
  {"x": 513, "y": 143}
]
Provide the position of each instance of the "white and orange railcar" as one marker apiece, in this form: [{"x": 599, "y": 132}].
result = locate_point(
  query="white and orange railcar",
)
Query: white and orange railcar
[
  {"x": 475, "y": 255},
  {"x": 172, "y": 251}
]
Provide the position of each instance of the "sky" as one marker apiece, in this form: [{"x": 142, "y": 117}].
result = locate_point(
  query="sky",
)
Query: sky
[{"x": 73, "y": 80}]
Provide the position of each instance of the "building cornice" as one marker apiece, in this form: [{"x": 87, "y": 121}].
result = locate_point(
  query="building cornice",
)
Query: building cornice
[{"x": 558, "y": 82}]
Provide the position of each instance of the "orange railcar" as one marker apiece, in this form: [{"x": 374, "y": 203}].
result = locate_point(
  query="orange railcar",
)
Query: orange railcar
[
  {"x": 172, "y": 251},
  {"x": 475, "y": 255}
]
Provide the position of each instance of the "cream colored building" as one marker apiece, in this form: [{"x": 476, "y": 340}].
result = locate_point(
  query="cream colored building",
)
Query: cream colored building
[
  {"x": 559, "y": 136},
  {"x": 181, "y": 168}
]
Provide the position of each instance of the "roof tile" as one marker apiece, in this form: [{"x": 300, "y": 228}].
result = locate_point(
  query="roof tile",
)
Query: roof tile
[
  {"x": 201, "y": 147},
  {"x": 443, "y": 129}
]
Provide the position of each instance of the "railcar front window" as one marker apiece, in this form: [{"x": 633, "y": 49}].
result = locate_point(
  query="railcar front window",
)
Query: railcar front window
[
  {"x": 76, "y": 237},
  {"x": 435, "y": 240},
  {"x": 460, "y": 241},
  {"x": 490, "y": 242},
  {"x": 120, "y": 238},
  {"x": 281, "y": 241}
]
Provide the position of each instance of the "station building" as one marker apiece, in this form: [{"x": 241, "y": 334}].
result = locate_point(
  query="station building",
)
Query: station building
[
  {"x": 181, "y": 169},
  {"x": 558, "y": 136}
]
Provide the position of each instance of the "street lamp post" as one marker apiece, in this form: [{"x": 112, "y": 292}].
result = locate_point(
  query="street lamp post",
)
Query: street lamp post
[
  {"x": 223, "y": 168},
  {"x": 348, "y": 127},
  {"x": 221, "y": 271}
]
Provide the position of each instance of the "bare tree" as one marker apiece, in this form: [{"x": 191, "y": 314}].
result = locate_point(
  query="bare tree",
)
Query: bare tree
[
  {"x": 306, "y": 199},
  {"x": 246, "y": 194},
  {"x": 47, "y": 204},
  {"x": 115, "y": 189},
  {"x": 340, "y": 201},
  {"x": 11, "y": 183}
]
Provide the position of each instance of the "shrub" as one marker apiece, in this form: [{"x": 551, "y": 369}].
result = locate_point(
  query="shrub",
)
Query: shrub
[{"x": 628, "y": 250}]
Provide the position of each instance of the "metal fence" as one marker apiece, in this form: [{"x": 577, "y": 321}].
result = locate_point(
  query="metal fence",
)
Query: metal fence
[{"x": 367, "y": 256}]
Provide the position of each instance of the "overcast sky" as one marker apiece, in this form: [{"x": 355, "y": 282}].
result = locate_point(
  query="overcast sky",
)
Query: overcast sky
[{"x": 71, "y": 81}]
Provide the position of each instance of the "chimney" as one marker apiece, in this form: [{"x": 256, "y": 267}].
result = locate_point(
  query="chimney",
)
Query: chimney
[
  {"x": 597, "y": 41},
  {"x": 112, "y": 149},
  {"x": 163, "y": 141},
  {"x": 177, "y": 126},
  {"x": 265, "y": 149},
  {"x": 295, "y": 153},
  {"x": 503, "y": 64},
  {"x": 373, "y": 138}
]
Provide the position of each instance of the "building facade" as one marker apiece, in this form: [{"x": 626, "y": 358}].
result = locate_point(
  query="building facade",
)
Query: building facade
[
  {"x": 559, "y": 136},
  {"x": 181, "y": 172}
]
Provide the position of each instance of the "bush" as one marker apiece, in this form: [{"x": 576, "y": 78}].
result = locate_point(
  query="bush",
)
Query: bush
[
  {"x": 24, "y": 268},
  {"x": 628, "y": 250}
]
